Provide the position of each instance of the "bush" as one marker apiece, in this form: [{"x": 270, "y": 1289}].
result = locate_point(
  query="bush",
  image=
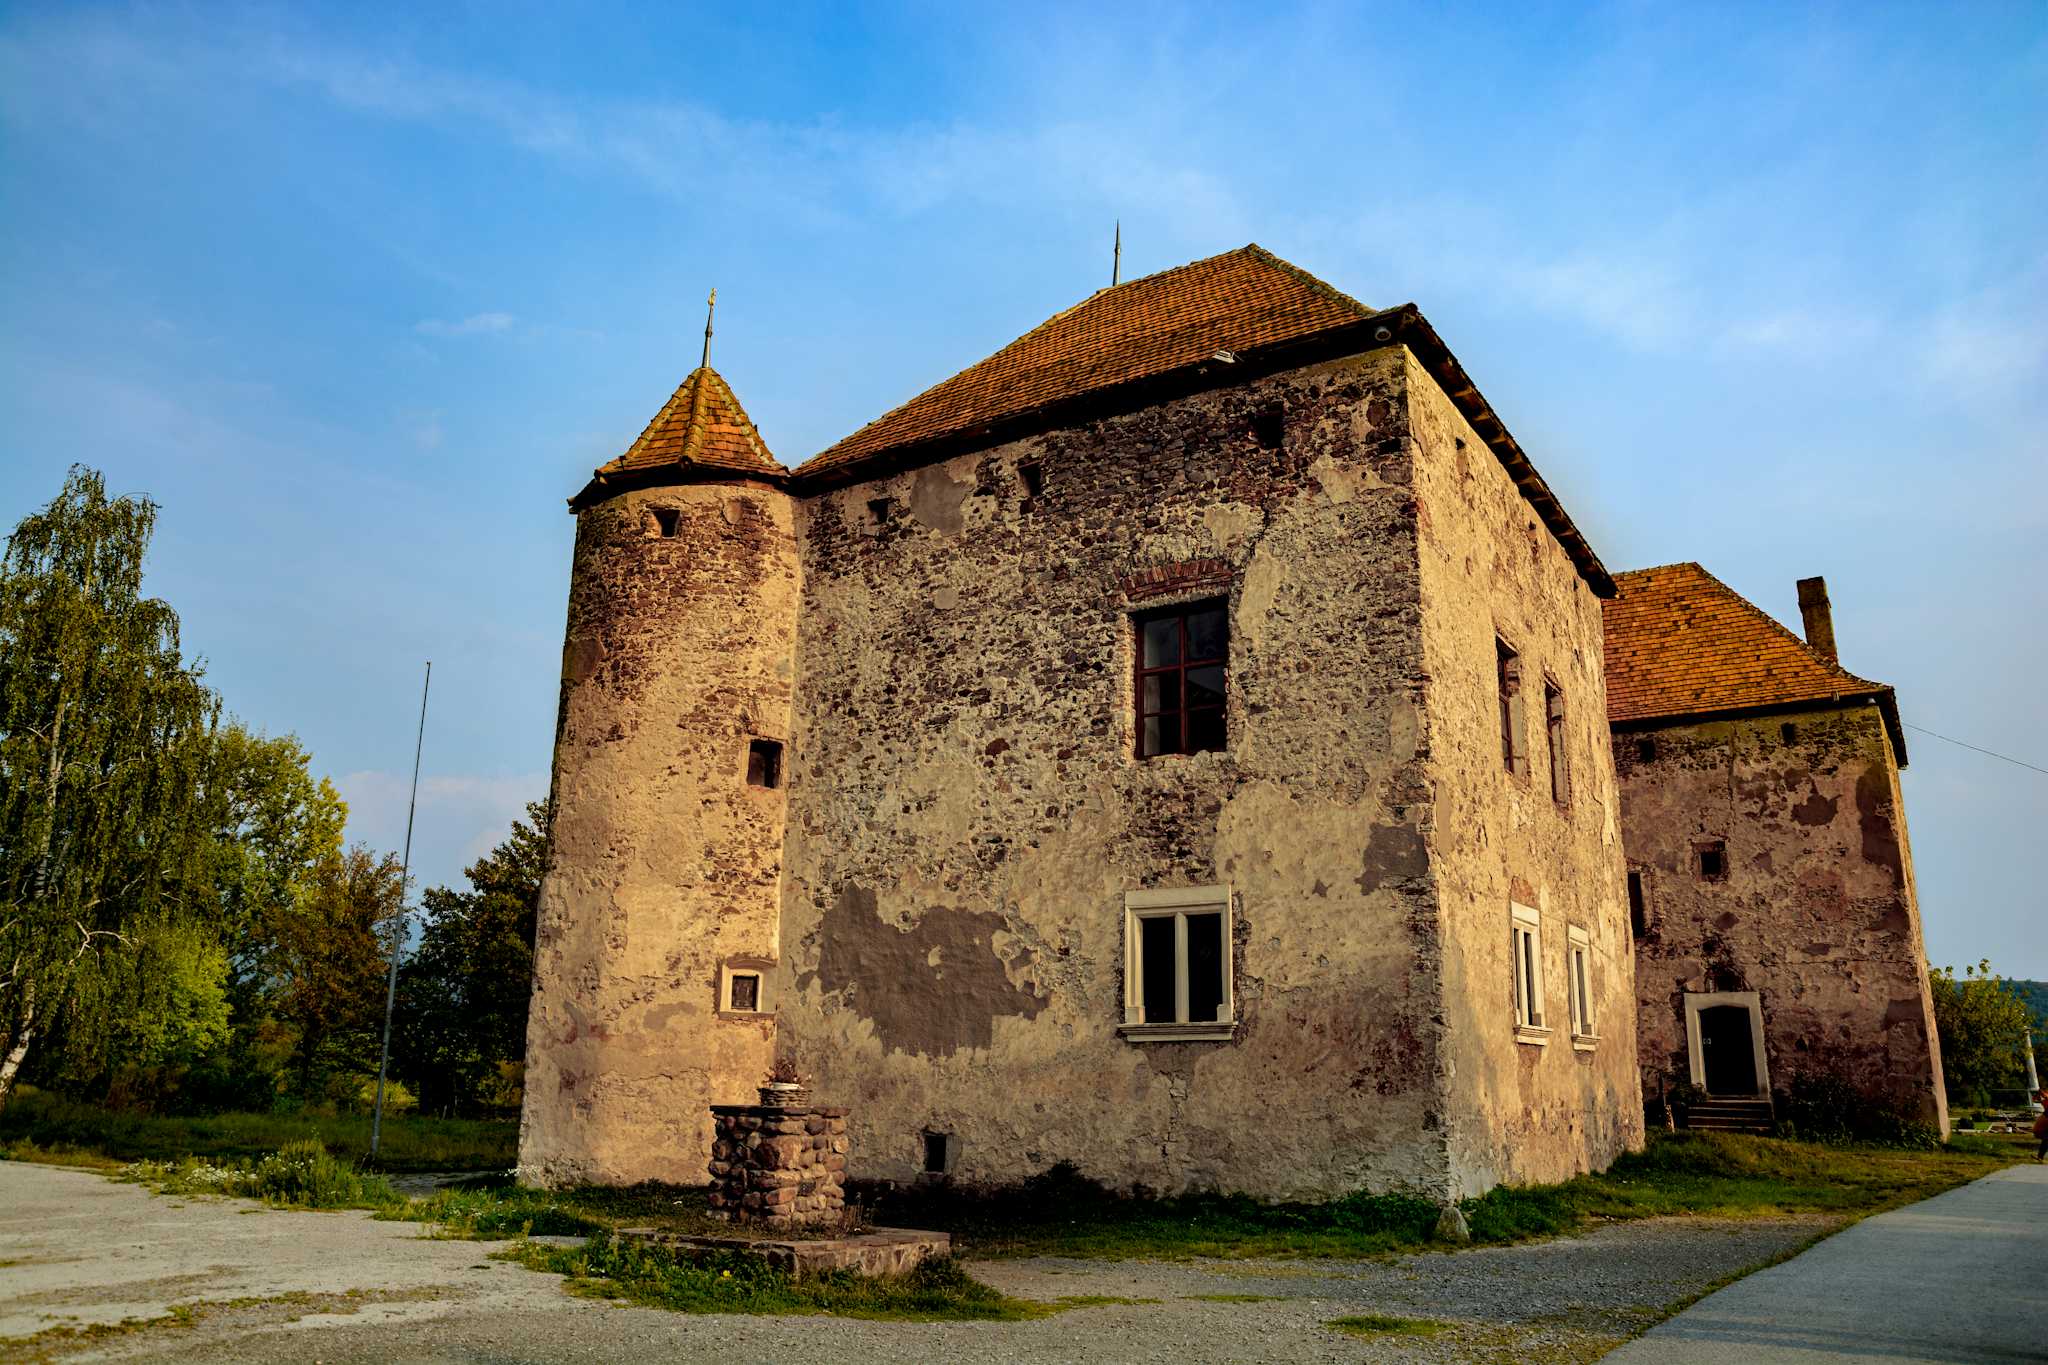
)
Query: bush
[
  {"x": 299, "y": 1175},
  {"x": 1825, "y": 1107}
]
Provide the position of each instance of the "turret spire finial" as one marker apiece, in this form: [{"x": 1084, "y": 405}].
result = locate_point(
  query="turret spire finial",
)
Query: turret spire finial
[
  {"x": 1116, "y": 255},
  {"x": 710, "y": 307}
]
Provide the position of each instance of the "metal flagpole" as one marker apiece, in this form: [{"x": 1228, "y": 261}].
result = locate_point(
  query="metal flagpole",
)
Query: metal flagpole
[{"x": 398, "y": 937}]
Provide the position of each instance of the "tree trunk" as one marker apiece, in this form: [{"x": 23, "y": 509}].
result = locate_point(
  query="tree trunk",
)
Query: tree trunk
[{"x": 12, "y": 1062}]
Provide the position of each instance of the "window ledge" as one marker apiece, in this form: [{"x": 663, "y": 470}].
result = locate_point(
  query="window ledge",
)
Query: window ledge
[
  {"x": 1585, "y": 1042},
  {"x": 1177, "y": 1033},
  {"x": 1532, "y": 1034}
]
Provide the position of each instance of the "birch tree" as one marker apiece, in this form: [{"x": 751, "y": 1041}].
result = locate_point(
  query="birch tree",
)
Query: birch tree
[{"x": 104, "y": 738}]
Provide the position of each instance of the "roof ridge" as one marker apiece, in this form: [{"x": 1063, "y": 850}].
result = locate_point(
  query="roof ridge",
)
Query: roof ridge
[
  {"x": 1659, "y": 568},
  {"x": 1319, "y": 285}
]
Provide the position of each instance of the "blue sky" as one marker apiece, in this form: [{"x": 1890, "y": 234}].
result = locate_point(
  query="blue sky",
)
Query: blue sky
[{"x": 361, "y": 294}]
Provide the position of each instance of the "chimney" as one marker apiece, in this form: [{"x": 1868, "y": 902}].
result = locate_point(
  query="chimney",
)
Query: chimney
[{"x": 1820, "y": 622}]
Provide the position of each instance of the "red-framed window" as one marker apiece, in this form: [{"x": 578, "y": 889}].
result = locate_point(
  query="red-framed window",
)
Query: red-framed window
[{"x": 1183, "y": 653}]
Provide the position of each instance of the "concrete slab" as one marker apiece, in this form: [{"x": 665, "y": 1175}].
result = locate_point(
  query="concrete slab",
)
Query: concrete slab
[{"x": 1959, "y": 1277}]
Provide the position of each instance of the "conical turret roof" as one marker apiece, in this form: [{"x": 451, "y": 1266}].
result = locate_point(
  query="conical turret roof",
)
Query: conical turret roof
[{"x": 701, "y": 424}]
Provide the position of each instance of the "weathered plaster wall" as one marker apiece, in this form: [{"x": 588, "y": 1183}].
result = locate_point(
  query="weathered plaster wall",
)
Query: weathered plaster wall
[
  {"x": 664, "y": 861},
  {"x": 1519, "y": 1111},
  {"x": 1817, "y": 912},
  {"x": 966, "y": 812}
]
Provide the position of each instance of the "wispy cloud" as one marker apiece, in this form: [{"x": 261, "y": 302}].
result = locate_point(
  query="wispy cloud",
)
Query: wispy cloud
[{"x": 476, "y": 324}]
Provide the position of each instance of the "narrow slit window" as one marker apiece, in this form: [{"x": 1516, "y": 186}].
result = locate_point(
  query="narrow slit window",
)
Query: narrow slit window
[
  {"x": 1638, "y": 906},
  {"x": 764, "y": 763},
  {"x": 1526, "y": 946},
  {"x": 1183, "y": 654},
  {"x": 878, "y": 512},
  {"x": 1508, "y": 683},
  {"x": 1579, "y": 952},
  {"x": 1646, "y": 751},
  {"x": 1179, "y": 960},
  {"x": 1553, "y": 726},
  {"x": 1033, "y": 478},
  {"x": 938, "y": 1153},
  {"x": 1789, "y": 733},
  {"x": 1712, "y": 860},
  {"x": 666, "y": 520}
]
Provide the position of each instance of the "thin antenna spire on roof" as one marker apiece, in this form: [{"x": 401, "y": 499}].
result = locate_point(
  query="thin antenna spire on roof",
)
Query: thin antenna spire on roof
[
  {"x": 1116, "y": 256},
  {"x": 710, "y": 307}
]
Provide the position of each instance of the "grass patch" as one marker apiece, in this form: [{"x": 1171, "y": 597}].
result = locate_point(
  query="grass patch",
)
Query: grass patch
[
  {"x": 1385, "y": 1325},
  {"x": 38, "y": 1126},
  {"x": 731, "y": 1282},
  {"x": 1715, "y": 1174}
]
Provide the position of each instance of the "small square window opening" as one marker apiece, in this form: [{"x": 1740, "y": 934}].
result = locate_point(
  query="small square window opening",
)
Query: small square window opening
[
  {"x": 764, "y": 763},
  {"x": 666, "y": 520},
  {"x": 1712, "y": 860},
  {"x": 746, "y": 992},
  {"x": 1033, "y": 478},
  {"x": 878, "y": 513},
  {"x": 1183, "y": 653},
  {"x": 1789, "y": 733}
]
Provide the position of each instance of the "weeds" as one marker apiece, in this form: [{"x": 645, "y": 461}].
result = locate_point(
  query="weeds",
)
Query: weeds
[{"x": 300, "y": 1175}]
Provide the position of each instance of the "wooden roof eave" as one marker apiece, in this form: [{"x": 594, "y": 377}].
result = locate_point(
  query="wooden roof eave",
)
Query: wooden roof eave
[
  {"x": 603, "y": 486},
  {"x": 1883, "y": 698}
]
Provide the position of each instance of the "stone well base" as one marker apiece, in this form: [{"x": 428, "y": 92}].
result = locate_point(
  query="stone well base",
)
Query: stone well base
[{"x": 881, "y": 1251}]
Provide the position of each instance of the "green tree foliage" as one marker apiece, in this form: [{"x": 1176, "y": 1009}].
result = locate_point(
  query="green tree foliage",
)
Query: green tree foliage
[
  {"x": 1983, "y": 1027},
  {"x": 326, "y": 971},
  {"x": 104, "y": 730},
  {"x": 463, "y": 994}
]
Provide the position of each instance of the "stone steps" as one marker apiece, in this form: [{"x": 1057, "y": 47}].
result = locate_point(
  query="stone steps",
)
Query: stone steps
[{"x": 1730, "y": 1116}]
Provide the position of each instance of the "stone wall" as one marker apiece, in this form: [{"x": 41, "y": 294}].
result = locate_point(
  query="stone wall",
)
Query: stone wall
[
  {"x": 664, "y": 864},
  {"x": 1816, "y": 911},
  {"x": 779, "y": 1166},
  {"x": 967, "y": 812},
  {"x": 1518, "y": 1111}
]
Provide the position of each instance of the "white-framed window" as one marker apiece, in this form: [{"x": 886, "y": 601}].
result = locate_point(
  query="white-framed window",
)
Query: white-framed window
[
  {"x": 1578, "y": 965},
  {"x": 1525, "y": 941},
  {"x": 1177, "y": 965},
  {"x": 743, "y": 985}
]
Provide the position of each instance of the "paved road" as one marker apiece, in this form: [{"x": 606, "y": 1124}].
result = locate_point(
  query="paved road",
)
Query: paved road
[{"x": 1959, "y": 1277}]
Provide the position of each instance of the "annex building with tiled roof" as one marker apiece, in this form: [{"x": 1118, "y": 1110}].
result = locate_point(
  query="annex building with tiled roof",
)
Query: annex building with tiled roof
[
  {"x": 1780, "y": 967},
  {"x": 1176, "y": 746}
]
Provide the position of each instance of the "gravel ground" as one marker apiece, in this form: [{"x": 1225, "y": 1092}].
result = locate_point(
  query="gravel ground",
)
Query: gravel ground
[{"x": 77, "y": 1250}]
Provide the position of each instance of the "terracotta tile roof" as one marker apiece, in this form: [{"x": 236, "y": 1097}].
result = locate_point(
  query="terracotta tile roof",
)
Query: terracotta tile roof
[
  {"x": 1136, "y": 330},
  {"x": 1680, "y": 642},
  {"x": 703, "y": 424}
]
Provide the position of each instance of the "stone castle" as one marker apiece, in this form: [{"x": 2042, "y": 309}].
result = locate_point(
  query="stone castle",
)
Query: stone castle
[{"x": 1177, "y": 745}]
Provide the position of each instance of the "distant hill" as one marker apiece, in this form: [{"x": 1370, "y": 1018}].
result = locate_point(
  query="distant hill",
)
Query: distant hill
[{"x": 2035, "y": 993}]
